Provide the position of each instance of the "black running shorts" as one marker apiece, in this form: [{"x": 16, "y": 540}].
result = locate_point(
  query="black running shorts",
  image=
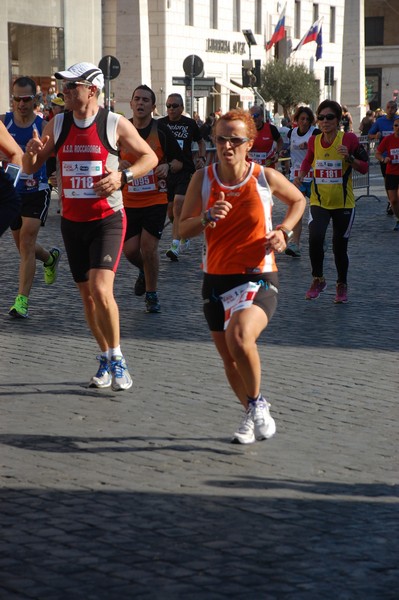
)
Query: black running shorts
[
  {"x": 150, "y": 218},
  {"x": 34, "y": 205},
  {"x": 215, "y": 285},
  {"x": 93, "y": 244}
]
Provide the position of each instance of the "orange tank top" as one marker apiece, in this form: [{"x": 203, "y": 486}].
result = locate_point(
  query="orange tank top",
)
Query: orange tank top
[{"x": 237, "y": 244}]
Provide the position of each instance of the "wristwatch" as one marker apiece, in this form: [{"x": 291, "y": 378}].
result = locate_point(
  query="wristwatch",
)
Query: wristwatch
[
  {"x": 350, "y": 159},
  {"x": 287, "y": 232},
  {"x": 127, "y": 176}
]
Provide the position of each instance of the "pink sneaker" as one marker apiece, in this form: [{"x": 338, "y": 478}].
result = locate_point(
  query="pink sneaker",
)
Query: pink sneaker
[
  {"x": 341, "y": 296},
  {"x": 318, "y": 285}
]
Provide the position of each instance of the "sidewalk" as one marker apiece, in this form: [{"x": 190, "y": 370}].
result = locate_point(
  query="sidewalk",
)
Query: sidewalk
[{"x": 140, "y": 495}]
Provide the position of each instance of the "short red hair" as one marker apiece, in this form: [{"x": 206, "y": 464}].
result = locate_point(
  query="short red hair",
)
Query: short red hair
[{"x": 238, "y": 114}]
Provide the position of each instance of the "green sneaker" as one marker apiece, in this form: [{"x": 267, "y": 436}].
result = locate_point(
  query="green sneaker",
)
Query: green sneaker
[
  {"x": 50, "y": 272},
  {"x": 19, "y": 309}
]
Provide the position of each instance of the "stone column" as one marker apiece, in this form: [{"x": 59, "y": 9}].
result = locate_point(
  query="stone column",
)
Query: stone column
[{"x": 353, "y": 83}]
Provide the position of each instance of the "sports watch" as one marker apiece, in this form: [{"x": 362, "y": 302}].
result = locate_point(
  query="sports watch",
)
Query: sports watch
[
  {"x": 127, "y": 176},
  {"x": 287, "y": 232}
]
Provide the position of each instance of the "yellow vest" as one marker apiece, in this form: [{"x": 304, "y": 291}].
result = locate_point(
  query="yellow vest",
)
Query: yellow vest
[{"x": 332, "y": 176}]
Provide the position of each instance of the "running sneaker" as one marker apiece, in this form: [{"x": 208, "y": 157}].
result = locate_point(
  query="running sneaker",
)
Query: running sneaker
[
  {"x": 318, "y": 285},
  {"x": 264, "y": 424},
  {"x": 121, "y": 379},
  {"x": 50, "y": 271},
  {"x": 396, "y": 228},
  {"x": 184, "y": 245},
  {"x": 139, "y": 286},
  {"x": 102, "y": 379},
  {"x": 19, "y": 309},
  {"x": 341, "y": 296},
  {"x": 389, "y": 209},
  {"x": 293, "y": 250},
  {"x": 152, "y": 303},
  {"x": 245, "y": 433},
  {"x": 173, "y": 252}
]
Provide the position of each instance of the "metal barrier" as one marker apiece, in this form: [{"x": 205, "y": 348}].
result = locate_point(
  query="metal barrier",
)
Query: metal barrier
[{"x": 360, "y": 180}]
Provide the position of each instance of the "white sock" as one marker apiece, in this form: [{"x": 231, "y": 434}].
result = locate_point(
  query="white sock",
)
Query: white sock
[{"x": 114, "y": 352}]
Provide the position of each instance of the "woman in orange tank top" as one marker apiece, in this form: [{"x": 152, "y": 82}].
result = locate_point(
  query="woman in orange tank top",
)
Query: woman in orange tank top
[{"x": 230, "y": 202}]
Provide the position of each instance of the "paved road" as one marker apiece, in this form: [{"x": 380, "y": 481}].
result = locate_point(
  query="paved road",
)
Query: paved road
[{"x": 140, "y": 495}]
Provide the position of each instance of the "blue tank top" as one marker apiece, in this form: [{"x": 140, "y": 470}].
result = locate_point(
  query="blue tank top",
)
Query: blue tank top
[{"x": 27, "y": 183}]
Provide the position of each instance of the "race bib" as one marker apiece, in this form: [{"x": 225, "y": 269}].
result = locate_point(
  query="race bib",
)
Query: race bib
[
  {"x": 394, "y": 152},
  {"x": 328, "y": 171},
  {"x": 78, "y": 177},
  {"x": 308, "y": 176},
  {"x": 238, "y": 298},
  {"x": 143, "y": 184}
]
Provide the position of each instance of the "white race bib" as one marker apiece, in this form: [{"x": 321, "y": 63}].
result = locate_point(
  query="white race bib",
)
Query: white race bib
[{"x": 238, "y": 298}]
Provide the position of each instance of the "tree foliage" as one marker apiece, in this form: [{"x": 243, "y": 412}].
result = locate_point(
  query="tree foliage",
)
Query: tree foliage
[{"x": 289, "y": 85}]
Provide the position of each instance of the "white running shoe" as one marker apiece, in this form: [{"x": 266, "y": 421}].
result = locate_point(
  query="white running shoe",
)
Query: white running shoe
[
  {"x": 121, "y": 379},
  {"x": 184, "y": 245},
  {"x": 245, "y": 433},
  {"x": 102, "y": 379},
  {"x": 264, "y": 424}
]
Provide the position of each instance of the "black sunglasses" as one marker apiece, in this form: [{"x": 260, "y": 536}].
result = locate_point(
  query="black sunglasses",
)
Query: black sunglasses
[
  {"x": 329, "y": 117},
  {"x": 23, "y": 98},
  {"x": 173, "y": 105},
  {"x": 72, "y": 85}
]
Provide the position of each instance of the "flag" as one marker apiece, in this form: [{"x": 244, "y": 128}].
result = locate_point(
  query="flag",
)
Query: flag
[
  {"x": 319, "y": 42},
  {"x": 279, "y": 32},
  {"x": 310, "y": 36}
]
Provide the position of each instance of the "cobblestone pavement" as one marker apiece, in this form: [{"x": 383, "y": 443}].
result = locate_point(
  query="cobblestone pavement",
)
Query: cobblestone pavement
[{"x": 140, "y": 494}]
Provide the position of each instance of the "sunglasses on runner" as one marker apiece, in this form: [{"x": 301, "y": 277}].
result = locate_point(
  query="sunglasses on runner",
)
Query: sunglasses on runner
[
  {"x": 329, "y": 117},
  {"x": 173, "y": 105},
  {"x": 255, "y": 115},
  {"x": 23, "y": 98},
  {"x": 234, "y": 141},
  {"x": 72, "y": 85}
]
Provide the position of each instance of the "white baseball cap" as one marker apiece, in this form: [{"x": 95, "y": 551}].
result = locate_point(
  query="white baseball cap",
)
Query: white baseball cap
[{"x": 83, "y": 71}]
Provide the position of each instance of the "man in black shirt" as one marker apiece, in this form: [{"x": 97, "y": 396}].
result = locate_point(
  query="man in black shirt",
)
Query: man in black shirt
[{"x": 186, "y": 131}]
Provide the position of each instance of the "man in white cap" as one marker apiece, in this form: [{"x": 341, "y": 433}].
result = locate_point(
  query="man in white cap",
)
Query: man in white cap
[{"x": 86, "y": 140}]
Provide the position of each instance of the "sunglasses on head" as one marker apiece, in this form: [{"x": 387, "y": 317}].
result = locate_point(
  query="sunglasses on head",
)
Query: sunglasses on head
[
  {"x": 234, "y": 141},
  {"x": 72, "y": 85},
  {"x": 173, "y": 105},
  {"x": 329, "y": 117},
  {"x": 23, "y": 98}
]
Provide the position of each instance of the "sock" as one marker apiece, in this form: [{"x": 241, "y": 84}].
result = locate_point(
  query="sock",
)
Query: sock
[
  {"x": 252, "y": 400},
  {"x": 114, "y": 352},
  {"x": 104, "y": 353}
]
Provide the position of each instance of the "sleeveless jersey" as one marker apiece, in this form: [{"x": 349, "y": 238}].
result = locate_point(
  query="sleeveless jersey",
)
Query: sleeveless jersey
[
  {"x": 332, "y": 176},
  {"x": 390, "y": 146},
  {"x": 298, "y": 149},
  {"x": 263, "y": 146},
  {"x": 27, "y": 183},
  {"x": 237, "y": 244},
  {"x": 83, "y": 154},
  {"x": 145, "y": 191}
]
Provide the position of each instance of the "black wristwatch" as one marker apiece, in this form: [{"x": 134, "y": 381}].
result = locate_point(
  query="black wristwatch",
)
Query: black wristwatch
[
  {"x": 350, "y": 159},
  {"x": 287, "y": 232},
  {"x": 127, "y": 176}
]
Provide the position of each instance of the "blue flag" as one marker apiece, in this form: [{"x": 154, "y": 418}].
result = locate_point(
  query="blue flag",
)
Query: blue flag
[{"x": 319, "y": 42}]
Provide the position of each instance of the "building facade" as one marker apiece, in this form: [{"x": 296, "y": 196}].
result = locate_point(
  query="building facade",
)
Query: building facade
[{"x": 152, "y": 38}]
